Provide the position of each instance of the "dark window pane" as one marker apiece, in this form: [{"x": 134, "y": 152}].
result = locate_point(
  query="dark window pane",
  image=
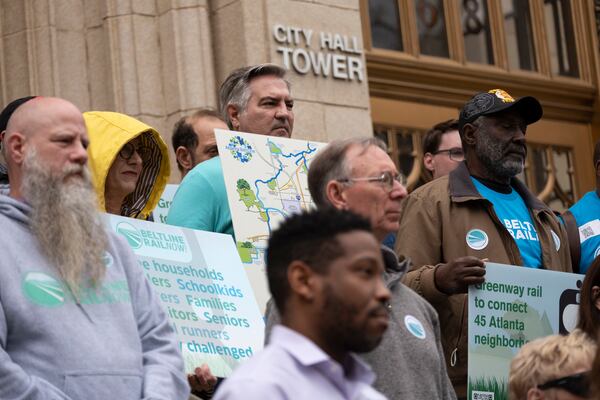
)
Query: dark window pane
[
  {"x": 385, "y": 24},
  {"x": 561, "y": 40},
  {"x": 406, "y": 157},
  {"x": 538, "y": 168},
  {"x": 549, "y": 173},
  {"x": 431, "y": 26},
  {"x": 476, "y": 31},
  {"x": 519, "y": 37}
]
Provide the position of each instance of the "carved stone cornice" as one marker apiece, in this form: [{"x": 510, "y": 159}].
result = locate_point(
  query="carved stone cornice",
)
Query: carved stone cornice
[{"x": 448, "y": 83}]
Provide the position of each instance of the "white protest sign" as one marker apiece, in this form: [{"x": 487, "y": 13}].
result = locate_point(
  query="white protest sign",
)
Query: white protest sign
[
  {"x": 512, "y": 307},
  {"x": 164, "y": 204},
  {"x": 203, "y": 288}
]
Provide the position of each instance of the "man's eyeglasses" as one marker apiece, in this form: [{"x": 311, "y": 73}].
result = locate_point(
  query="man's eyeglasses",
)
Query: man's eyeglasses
[
  {"x": 577, "y": 384},
  {"x": 127, "y": 151},
  {"x": 455, "y": 153},
  {"x": 387, "y": 179}
]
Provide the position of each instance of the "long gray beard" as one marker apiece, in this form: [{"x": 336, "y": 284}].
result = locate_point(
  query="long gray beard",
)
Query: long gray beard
[{"x": 65, "y": 221}]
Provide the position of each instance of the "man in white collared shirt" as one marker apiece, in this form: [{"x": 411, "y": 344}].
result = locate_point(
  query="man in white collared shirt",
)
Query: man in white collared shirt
[{"x": 325, "y": 275}]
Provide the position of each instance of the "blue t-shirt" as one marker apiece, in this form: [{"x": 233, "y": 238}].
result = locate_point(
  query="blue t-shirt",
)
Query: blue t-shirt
[
  {"x": 514, "y": 215},
  {"x": 201, "y": 200},
  {"x": 587, "y": 215}
]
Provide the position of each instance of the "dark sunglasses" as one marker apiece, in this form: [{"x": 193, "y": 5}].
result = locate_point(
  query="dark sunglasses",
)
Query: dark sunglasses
[
  {"x": 577, "y": 384},
  {"x": 129, "y": 148}
]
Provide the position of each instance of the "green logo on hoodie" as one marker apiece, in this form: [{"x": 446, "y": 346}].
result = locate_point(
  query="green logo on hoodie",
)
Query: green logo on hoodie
[
  {"x": 133, "y": 236},
  {"x": 43, "y": 289}
]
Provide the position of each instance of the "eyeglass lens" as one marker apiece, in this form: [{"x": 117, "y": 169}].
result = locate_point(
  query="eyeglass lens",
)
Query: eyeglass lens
[
  {"x": 388, "y": 179},
  {"x": 456, "y": 154},
  {"x": 129, "y": 148}
]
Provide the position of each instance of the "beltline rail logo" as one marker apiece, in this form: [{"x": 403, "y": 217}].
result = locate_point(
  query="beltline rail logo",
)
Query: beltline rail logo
[
  {"x": 477, "y": 239},
  {"x": 162, "y": 241},
  {"x": 43, "y": 289}
]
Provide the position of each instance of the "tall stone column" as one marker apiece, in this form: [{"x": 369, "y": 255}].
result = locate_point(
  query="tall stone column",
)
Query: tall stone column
[
  {"x": 149, "y": 59},
  {"x": 160, "y": 59},
  {"x": 43, "y": 50},
  {"x": 188, "y": 72}
]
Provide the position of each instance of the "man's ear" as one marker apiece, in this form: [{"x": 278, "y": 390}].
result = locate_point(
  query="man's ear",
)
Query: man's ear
[
  {"x": 15, "y": 146},
  {"x": 334, "y": 191},
  {"x": 184, "y": 158},
  {"x": 428, "y": 161},
  {"x": 469, "y": 136},
  {"x": 303, "y": 280},
  {"x": 234, "y": 116}
]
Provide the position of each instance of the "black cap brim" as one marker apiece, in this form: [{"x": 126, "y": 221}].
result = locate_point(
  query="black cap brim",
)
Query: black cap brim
[{"x": 529, "y": 108}]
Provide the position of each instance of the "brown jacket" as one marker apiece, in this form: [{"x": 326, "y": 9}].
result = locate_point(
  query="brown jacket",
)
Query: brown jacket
[{"x": 433, "y": 230}]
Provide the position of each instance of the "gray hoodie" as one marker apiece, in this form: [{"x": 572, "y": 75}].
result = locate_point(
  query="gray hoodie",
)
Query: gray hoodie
[
  {"x": 115, "y": 344},
  {"x": 409, "y": 361}
]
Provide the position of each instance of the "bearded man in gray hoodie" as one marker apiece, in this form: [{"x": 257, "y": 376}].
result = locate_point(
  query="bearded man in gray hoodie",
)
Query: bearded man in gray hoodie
[{"x": 78, "y": 320}]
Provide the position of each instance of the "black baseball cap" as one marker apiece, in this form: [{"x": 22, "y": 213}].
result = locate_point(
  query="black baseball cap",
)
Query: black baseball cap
[
  {"x": 496, "y": 100},
  {"x": 10, "y": 109}
]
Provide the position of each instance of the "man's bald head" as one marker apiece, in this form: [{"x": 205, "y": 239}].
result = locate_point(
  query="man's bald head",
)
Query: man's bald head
[
  {"x": 38, "y": 112},
  {"x": 51, "y": 128}
]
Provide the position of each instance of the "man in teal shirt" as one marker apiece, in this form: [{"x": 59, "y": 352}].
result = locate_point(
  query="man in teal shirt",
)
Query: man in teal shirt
[{"x": 253, "y": 99}]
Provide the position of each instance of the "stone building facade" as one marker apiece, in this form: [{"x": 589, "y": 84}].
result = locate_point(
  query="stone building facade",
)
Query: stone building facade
[
  {"x": 390, "y": 68},
  {"x": 157, "y": 60}
]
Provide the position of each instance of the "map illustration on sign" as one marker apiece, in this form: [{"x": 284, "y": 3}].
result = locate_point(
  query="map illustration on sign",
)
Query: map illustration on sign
[{"x": 266, "y": 181}]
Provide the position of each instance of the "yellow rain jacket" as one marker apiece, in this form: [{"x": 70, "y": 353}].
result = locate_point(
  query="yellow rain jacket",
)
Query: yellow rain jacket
[{"x": 109, "y": 132}]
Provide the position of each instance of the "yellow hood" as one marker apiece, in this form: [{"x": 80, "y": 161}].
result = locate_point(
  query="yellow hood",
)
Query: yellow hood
[{"x": 109, "y": 132}]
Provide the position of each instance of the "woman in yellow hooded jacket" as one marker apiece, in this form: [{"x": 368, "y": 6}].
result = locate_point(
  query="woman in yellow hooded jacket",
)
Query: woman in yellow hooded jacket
[{"x": 129, "y": 163}]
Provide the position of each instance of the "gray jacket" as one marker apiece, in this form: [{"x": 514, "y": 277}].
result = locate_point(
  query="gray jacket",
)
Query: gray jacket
[
  {"x": 115, "y": 343},
  {"x": 409, "y": 362}
]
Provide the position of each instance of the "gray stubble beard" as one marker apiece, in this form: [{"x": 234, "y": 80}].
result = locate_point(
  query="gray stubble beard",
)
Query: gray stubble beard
[{"x": 491, "y": 155}]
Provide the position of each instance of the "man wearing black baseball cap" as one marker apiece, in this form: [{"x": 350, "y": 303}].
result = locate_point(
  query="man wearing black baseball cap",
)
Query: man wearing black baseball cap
[{"x": 480, "y": 211}]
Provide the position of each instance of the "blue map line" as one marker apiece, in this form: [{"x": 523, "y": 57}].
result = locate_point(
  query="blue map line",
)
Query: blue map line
[{"x": 302, "y": 154}]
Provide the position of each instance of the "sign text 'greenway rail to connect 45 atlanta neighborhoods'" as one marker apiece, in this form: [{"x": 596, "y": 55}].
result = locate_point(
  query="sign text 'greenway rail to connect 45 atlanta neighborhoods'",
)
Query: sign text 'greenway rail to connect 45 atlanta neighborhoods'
[{"x": 512, "y": 307}]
